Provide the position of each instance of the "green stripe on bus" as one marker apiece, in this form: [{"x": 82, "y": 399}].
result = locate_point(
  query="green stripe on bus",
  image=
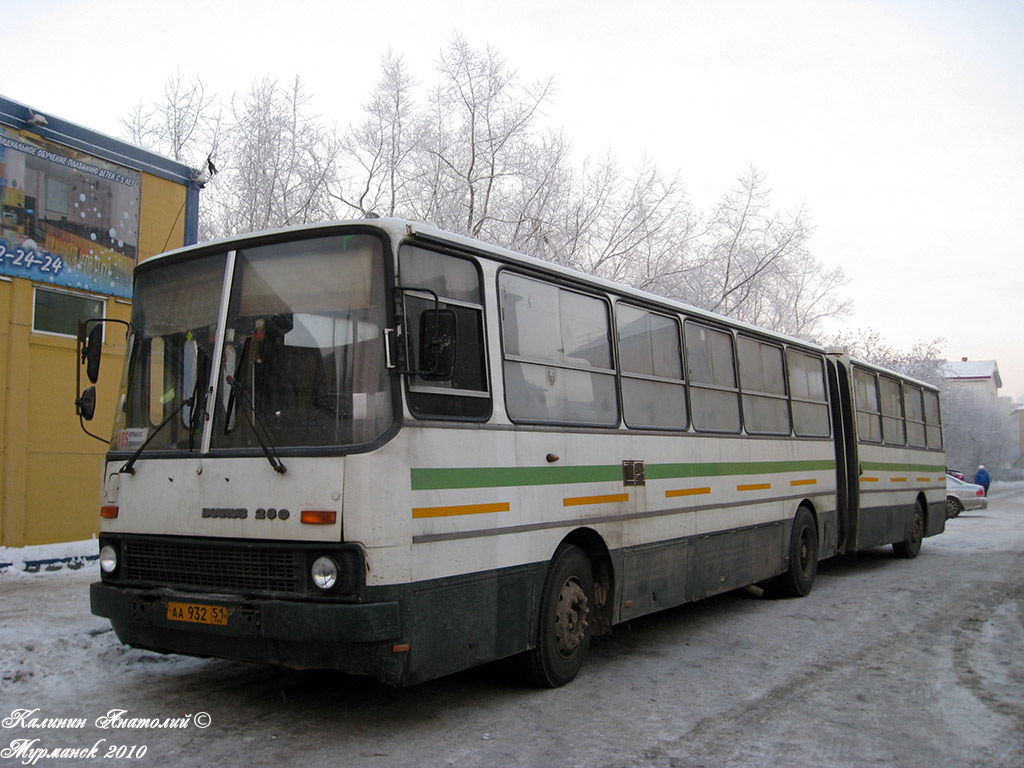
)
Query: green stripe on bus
[
  {"x": 505, "y": 477},
  {"x": 726, "y": 468}
]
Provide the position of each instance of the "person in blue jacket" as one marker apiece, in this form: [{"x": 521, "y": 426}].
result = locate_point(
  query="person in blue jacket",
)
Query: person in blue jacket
[{"x": 981, "y": 477}]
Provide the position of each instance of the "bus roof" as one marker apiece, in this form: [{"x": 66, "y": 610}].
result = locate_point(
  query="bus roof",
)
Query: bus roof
[{"x": 401, "y": 229}]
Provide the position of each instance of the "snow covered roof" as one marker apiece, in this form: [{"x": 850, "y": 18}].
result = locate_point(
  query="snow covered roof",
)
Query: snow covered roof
[{"x": 973, "y": 369}]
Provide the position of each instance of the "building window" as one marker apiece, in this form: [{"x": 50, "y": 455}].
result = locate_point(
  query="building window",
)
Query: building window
[{"x": 58, "y": 313}]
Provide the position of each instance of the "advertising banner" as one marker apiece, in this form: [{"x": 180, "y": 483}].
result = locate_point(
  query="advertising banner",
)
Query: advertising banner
[{"x": 68, "y": 218}]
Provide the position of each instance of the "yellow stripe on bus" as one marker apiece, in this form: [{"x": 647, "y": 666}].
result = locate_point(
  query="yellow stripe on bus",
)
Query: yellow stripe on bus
[
  {"x": 686, "y": 492},
  {"x": 462, "y": 509},
  {"x": 754, "y": 487},
  {"x": 924, "y": 479},
  {"x": 899, "y": 479},
  {"x": 869, "y": 479},
  {"x": 803, "y": 482},
  {"x": 583, "y": 500}
]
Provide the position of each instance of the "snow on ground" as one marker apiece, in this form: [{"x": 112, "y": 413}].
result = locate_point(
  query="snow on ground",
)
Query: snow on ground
[{"x": 732, "y": 681}]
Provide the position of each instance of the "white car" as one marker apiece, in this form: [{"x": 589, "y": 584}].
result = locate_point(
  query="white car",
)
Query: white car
[{"x": 961, "y": 495}]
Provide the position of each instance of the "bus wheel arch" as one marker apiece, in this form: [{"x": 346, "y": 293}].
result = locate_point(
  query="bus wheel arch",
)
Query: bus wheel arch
[
  {"x": 594, "y": 547},
  {"x": 804, "y": 545}
]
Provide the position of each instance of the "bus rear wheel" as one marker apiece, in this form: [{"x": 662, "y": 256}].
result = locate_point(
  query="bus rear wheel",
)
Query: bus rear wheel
[
  {"x": 563, "y": 627},
  {"x": 803, "y": 559},
  {"x": 911, "y": 545}
]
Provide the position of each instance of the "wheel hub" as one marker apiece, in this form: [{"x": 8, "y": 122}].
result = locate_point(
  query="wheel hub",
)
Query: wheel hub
[{"x": 570, "y": 617}]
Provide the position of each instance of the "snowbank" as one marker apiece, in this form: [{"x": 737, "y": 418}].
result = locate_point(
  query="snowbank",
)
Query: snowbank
[{"x": 48, "y": 558}]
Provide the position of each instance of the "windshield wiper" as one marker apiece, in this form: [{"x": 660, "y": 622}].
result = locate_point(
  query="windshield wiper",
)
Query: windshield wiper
[
  {"x": 129, "y": 466},
  {"x": 248, "y": 407}
]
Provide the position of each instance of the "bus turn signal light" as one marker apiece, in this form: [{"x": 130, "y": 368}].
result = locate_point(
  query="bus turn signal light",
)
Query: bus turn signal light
[
  {"x": 108, "y": 512},
  {"x": 319, "y": 516}
]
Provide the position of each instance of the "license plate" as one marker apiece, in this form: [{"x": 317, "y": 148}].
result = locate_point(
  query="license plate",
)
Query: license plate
[{"x": 198, "y": 613}]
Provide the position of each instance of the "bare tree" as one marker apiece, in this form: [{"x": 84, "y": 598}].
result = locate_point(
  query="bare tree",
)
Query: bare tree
[
  {"x": 746, "y": 261},
  {"x": 280, "y": 162},
  {"x": 634, "y": 228},
  {"x": 923, "y": 361},
  {"x": 379, "y": 152},
  {"x": 977, "y": 431},
  {"x": 470, "y": 156},
  {"x": 184, "y": 125}
]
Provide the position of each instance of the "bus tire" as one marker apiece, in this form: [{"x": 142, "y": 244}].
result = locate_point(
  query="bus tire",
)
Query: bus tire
[
  {"x": 563, "y": 628},
  {"x": 803, "y": 559},
  {"x": 911, "y": 545}
]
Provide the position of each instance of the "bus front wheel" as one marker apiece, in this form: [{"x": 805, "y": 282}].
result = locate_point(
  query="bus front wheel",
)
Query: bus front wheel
[
  {"x": 563, "y": 627},
  {"x": 803, "y": 559}
]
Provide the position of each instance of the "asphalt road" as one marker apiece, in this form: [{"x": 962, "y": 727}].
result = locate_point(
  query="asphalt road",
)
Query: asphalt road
[{"x": 887, "y": 662}]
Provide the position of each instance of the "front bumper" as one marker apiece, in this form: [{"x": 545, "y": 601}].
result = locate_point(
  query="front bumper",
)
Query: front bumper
[{"x": 352, "y": 637}]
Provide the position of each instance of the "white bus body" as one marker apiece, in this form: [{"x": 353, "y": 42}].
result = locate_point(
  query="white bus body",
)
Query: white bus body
[{"x": 321, "y": 497}]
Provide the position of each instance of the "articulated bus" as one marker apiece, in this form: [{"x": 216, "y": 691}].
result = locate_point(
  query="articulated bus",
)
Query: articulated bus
[{"x": 377, "y": 447}]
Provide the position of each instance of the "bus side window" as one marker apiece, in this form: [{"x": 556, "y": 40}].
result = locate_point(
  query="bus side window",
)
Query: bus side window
[
  {"x": 869, "y": 419},
  {"x": 891, "y": 400},
  {"x": 456, "y": 283},
  {"x": 914, "y": 409},
  {"x": 714, "y": 397},
  {"x": 933, "y": 420},
  {"x": 807, "y": 391},
  {"x": 558, "y": 355},
  {"x": 651, "y": 361},
  {"x": 765, "y": 408}
]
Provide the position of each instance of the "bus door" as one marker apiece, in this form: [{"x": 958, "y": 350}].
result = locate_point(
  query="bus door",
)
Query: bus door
[{"x": 847, "y": 460}]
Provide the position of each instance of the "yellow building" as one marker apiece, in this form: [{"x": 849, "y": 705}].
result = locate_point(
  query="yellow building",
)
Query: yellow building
[{"x": 79, "y": 211}]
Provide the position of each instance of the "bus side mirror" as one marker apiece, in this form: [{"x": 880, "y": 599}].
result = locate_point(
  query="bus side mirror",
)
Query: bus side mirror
[
  {"x": 91, "y": 351},
  {"x": 438, "y": 341},
  {"x": 86, "y": 404}
]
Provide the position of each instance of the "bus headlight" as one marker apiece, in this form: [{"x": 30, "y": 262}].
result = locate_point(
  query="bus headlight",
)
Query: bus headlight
[
  {"x": 324, "y": 572},
  {"x": 108, "y": 559}
]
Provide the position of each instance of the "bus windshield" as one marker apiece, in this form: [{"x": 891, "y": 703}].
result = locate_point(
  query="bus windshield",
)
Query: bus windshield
[{"x": 303, "y": 360}]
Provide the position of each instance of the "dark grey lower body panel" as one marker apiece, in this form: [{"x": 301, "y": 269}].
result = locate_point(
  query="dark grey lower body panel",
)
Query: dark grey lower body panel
[
  {"x": 887, "y": 524},
  {"x": 411, "y": 633}
]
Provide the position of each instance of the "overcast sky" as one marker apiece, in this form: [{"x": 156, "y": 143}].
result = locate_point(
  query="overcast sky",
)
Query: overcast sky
[{"x": 899, "y": 124}]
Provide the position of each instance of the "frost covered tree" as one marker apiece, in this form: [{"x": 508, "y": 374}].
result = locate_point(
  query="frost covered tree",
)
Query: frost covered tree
[
  {"x": 278, "y": 162},
  {"x": 752, "y": 262},
  {"x": 923, "y": 361},
  {"x": 184, "y": 125},
  {"x": 977, "y": 431},
  {"x": 377, "y": 173},
  {"x": 470, "y": 152},
  {"x": 467, "y": 157}
]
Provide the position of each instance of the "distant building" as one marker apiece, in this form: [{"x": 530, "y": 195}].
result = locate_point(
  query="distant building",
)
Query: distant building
[
  {"x": 78, "y": 211},
  {"x": 979, "y": 378}
]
